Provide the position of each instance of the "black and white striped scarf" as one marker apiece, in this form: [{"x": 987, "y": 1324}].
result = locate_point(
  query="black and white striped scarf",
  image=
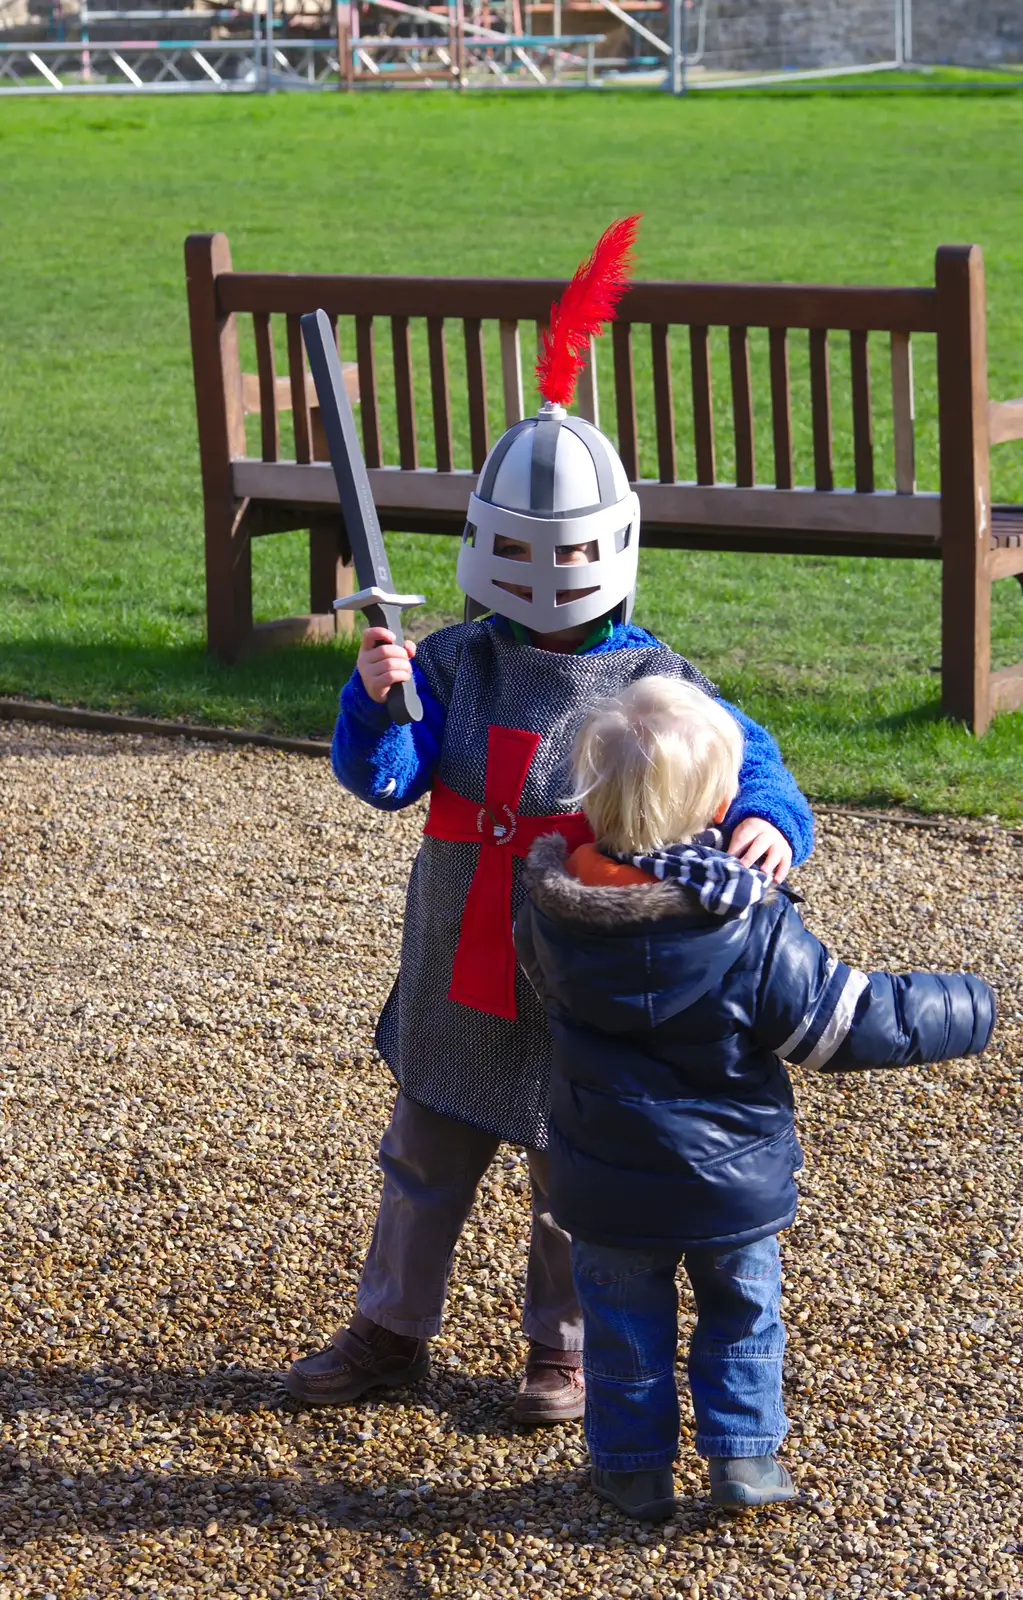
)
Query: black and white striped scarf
[{"x": 725, "y": 887}]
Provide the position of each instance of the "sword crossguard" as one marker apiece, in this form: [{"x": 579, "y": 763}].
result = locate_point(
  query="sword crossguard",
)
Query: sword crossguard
[{"x": 379, "y": 597}]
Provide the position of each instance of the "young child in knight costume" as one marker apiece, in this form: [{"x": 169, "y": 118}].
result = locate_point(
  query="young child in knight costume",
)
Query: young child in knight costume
[
  {"x": 549, "y": 553},
  {"x": 677, "y": 983}
]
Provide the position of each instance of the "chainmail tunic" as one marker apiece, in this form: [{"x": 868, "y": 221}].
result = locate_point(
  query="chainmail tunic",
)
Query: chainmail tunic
[{"x": 464, "y": 1063}]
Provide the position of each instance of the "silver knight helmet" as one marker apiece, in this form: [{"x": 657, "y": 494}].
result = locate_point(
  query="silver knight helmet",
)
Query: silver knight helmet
[{"x": 553, "y": 485}]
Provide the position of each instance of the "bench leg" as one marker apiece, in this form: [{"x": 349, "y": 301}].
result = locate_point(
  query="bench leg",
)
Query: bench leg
[
  {"x": 331, "y": 573},
  {"x": 965, "y": 487},
  {"x": 966, "y": 640},
  {"x": 228, "y": 582},
  {"x": 220, "y": 412}
]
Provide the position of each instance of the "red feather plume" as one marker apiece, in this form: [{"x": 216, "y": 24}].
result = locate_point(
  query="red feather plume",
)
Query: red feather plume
[{"x": 587, "y": 303}]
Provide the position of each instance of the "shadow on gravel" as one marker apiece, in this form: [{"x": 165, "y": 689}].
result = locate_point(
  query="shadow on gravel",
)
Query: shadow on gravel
[
  {"x": 473, "y": 1406},
  {"x": 48, "y": 1496},
  {"x": 56, "y": 747},
  {"x": 62, "y": 1387},
  {"x": 108, "y": 1502}
]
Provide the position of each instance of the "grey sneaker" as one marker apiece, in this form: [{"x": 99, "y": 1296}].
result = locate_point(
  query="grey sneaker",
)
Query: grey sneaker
[
  {"x": 740, "y": 1483},
  {"x": 648, "y": 1496}
]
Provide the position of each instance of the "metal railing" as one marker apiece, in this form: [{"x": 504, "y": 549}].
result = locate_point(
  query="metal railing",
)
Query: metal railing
[
  {"x": 166, "y": 66},
  {"x": 179, "y": 66}
]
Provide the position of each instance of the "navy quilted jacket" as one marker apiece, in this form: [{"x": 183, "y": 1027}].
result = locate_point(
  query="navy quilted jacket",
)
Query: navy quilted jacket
[{"x": 671, "y": 1108}]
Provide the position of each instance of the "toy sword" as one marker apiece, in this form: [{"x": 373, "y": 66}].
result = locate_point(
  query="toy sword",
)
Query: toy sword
[{"x": 376, "y": 599}]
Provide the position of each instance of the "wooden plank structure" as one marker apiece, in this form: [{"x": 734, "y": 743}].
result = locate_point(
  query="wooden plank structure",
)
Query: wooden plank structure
[{"x": 249, "y": 496}]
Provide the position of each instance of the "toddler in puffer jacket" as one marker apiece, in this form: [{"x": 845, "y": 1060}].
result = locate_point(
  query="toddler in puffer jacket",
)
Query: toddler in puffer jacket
[{"x": 677, "y": 982}]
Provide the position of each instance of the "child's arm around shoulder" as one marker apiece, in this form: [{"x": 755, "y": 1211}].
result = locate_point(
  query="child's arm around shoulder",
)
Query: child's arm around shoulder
[
  {"x": 767, "y": 793},
  {"x": 816, "y": 1011},
  {"x": 770, "y": 822},
  {"x": 386, "y": 765}
]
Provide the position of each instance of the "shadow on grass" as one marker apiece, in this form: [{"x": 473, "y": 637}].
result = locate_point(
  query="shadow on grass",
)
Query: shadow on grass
[{"x": 288, "y": 691}]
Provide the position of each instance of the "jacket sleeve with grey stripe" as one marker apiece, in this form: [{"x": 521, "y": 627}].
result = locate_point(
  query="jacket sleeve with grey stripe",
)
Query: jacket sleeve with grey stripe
[{"x": 814, "y": 1011}]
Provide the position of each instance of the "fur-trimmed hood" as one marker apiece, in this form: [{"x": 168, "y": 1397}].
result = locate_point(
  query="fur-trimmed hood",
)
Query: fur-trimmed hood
[
  {"x": 566, "y": 899},
  {"x": 615, "y": 908},
  {"x": 628, "y": 950}
]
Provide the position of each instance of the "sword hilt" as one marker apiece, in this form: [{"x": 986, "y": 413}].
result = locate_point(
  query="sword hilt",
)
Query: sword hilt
[{"x": 383, "y": 610}]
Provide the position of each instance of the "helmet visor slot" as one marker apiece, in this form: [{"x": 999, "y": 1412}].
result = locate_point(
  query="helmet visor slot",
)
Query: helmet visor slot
[
  {"x": 566, "y": 597},
  {"x": 512, "y": 548},
  {"x": 570, "y": 555}
]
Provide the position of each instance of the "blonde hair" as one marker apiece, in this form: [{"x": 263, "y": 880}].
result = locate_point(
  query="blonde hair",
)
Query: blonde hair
[{"x": 652, "y": 765}]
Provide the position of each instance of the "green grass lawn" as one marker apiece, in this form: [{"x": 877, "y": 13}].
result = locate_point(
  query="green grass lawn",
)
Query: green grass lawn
[{"x": 101, "y": 575}]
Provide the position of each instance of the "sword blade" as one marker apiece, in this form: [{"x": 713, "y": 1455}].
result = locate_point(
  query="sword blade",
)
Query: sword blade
[{"x": 358, "y": 508}]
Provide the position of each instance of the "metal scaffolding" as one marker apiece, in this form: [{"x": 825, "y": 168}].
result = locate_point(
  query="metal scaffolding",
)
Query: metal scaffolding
[{"x": 444, "y": 45}]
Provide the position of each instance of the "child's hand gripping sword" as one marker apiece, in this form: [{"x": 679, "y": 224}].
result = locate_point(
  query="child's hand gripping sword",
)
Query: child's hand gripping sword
[{"x": 376, "y": 598}]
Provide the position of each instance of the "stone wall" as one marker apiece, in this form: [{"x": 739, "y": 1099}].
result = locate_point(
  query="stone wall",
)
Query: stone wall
[
  {"x": 775, "y": 35},
  {"x": 772, "y": 35},
  {"x": 969, "y": 33}
]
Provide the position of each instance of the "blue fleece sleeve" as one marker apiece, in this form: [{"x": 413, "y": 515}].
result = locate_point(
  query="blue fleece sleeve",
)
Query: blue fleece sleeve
[
  {"x": 815, "y": 1011},
  {"x": 767, "y": 788},
  {"x": 387, "y": 765}
]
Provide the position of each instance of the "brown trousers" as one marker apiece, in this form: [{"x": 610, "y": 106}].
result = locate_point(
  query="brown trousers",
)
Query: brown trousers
[{"x": 432, "y": 1166}]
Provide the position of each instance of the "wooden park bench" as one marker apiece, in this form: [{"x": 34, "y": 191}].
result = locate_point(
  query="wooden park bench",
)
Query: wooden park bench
[{"x": 247, "y": 496}]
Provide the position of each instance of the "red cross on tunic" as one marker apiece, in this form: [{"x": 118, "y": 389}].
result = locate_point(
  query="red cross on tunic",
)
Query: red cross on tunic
[{"x": 483, "y": 974}]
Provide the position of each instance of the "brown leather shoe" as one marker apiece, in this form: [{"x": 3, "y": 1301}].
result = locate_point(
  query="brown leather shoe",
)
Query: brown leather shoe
[
  {"x": 552, "y": 1389},
  {"x": 362, "y": 1356}
]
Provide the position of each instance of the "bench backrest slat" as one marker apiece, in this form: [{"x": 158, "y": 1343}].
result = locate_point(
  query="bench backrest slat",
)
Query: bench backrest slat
[
  {"x": 401, "y": 347},
  {"x": 703, "y": 403},
  {"x": 664, "y": 410},
  {"x": 863, "y": 424},
  {"x": 299, "y": 394},
  {"x": 366, "y": 359},
  {"x": 781, "y": 407},
  {"x": 270, "y": 441},
  {"x": 511, "y": 372},
  {"x": 742, "y": 407},
  {"x": 587, "y": 399},
  {"x": 903, "y": 419},
  {"x": 820, "y": 408},
  {"x": 476, "y": 376},
  {"x": 625, "y": 397},
  {"x": 440, "y": 393}
]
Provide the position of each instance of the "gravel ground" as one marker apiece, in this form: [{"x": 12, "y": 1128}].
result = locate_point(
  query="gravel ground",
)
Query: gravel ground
[{"x": 195, "y": 944}]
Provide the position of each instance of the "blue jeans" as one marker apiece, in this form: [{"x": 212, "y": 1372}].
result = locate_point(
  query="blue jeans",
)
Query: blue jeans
[{"x": 630, "y": 1320}]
